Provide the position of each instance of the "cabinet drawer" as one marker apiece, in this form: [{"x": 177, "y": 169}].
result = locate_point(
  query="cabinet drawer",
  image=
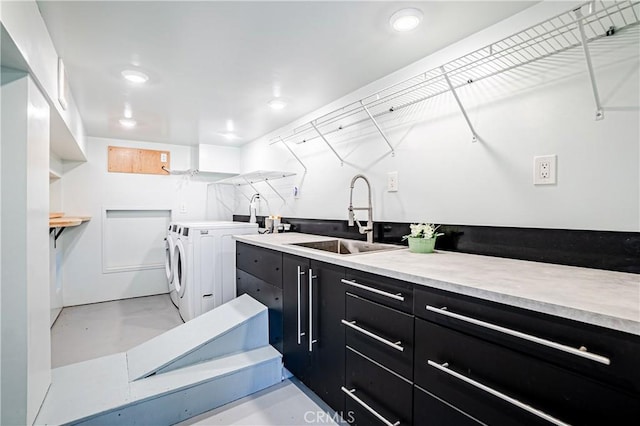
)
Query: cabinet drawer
[
  {"x": 387, "y": 291},
  {"x": 380, "y": 333},
  {"x": 431, "y": 410},
  {"x": 371, "y": 388},
  {"x": 260, "y": 262},
  {"x": 479, "y": 377},
  {"x": 551, "y": 339},
  {"x": 270, "y": 296}
]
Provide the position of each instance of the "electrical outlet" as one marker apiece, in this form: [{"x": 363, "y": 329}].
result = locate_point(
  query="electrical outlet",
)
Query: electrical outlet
[
  {"x": 544, "y": 170},
  {"x": 392, "y": 182},
  {"x": 183, "y": 208},
  {"x": 163, "y": 157}
]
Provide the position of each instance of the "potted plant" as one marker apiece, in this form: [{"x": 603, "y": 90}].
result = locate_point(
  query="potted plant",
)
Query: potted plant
[{"x": 422, "y": 238}]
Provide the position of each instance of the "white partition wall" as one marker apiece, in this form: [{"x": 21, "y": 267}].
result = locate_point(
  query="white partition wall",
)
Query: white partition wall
[{"x": 26, "y": 349}]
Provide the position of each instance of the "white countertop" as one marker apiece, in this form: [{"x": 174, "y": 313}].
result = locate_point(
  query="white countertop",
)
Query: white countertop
[{"x": 594, "y": 296}]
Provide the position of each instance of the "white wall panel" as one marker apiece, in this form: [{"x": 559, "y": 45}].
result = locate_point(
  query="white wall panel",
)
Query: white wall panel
[
  {"x": 26, "y": 350},
  {"x": 89, "y": 189},
  {"x": 132, "y": 239}
]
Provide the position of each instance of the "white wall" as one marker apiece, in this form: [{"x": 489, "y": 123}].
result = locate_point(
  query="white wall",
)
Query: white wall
[
  {"x": 88, "y": 189},
  {"x": 26, "y": 349},
  {"x": 25, "y": 25},
  {"x": 544, "y": 108}
]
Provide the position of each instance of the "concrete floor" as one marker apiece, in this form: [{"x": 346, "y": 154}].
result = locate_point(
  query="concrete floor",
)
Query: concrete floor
[{"x": 91, "y": 331}]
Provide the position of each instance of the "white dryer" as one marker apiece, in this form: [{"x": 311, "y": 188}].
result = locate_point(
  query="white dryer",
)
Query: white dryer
[
  {"x": 205, "y": 264},
  {"x": 169, "y": 260}
]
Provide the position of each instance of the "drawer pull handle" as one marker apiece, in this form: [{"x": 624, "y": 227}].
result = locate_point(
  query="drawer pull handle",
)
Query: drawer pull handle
[
  {"x": 398, "y": 296},
  {"x": 311, "y": 339},
  {"x": 300, "y": 332},
  {"x": 579, "y": 352},
  {"x": 353, "y": 325},
  {"x": 444, "y": 368},
  {"x": 351, "y": 394}
]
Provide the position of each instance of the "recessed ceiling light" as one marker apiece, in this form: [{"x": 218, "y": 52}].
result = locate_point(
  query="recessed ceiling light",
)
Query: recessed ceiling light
[
  {"x": 277, "y": 103},
  {"x": 135, "y": 76},
  {"x": 127, "y": 110},
  {"x": 229, "y": 135},
  {"x": 127, "y": 122},
  {"x": 406, "y": 19}
]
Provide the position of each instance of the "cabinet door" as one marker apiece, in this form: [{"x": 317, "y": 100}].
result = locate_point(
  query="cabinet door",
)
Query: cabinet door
[
  {"x": 380, "y": 333},
  {"x": 260, "y": 262},
  {"x": 270, "y": 296},
  {"x": 375, "y": 393},
  {"x": 327, "y": 333},
  {"x": 295, "y": 276}
]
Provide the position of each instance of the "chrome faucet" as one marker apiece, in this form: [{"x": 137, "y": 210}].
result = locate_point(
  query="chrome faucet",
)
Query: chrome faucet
[{"x": 352, "y": 217}]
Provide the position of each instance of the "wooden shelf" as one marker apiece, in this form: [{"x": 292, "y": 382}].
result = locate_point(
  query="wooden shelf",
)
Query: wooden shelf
[{"x": 58, "y": 223}]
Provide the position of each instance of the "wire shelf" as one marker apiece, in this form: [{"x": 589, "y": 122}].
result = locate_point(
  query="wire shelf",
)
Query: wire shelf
[
  {"x": 254, "y": 177},
  {"x": 555, "y": 35}
]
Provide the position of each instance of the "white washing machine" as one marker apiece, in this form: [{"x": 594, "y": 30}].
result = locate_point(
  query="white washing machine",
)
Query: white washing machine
[
  {"x": 205, "y": 264},
  {"x": 169, "y": 261}
]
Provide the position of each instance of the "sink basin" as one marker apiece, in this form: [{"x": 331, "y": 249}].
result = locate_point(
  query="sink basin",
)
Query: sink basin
[{"x": 340, "y": 246}]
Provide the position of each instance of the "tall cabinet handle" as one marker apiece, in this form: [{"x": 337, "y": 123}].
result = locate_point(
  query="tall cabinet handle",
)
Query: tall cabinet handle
[
  {"x": 444, "y": 368},
  {"x": 311, "y": 339},
  {"x": 300, "y": 332},
  {"x": 351, "y": 394},
  {"x": 582, "y": 352},
  {"x": 398, "y": 296}
]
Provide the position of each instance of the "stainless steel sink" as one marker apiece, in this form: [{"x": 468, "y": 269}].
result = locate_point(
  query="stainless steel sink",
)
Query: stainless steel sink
[{"x": 340, "y": 246}]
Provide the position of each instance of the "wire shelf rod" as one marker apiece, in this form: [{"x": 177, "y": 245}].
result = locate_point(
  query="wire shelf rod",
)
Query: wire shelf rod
[
  {"x": 375, "y": 123},
  {"x": 294, "y": 154},
  {"x": 328, "y": 144}
]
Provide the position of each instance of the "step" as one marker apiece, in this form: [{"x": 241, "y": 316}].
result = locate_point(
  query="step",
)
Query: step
[
  {"x": 238, "y": 325},
  {"x": 99, "y": 391}
]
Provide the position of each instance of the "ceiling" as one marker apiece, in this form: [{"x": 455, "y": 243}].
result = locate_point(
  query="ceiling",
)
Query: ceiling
[{"x": 211, "y": 61}]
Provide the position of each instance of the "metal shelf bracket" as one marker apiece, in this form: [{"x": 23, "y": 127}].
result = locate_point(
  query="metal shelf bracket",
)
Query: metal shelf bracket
[
  {"x": 253, "y": 187},
  {"x": 464, "y": 112},
  {"x": 56, "y": 234},
  {"x": 275, "y": 190},
  {"x": 294, "y": 155},
  {"x": 375, "y": 123},
  {"x": 587, "y": 58},
  {"x": 328, "y": 144}
]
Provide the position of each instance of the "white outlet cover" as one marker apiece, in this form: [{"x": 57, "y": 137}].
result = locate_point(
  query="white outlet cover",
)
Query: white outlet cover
[
  {"x": 392, "y": 182},
  {"x": 545, "y": 169}
]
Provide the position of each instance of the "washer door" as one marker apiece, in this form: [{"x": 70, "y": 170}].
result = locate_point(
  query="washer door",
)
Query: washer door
[
  {"x": 168, "y": 258},
  {"x": 179, "y": 268}
]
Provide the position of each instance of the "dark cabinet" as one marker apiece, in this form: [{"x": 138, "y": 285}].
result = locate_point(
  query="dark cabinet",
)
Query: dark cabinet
[
  {"x": 381, "y": 333},
  {"x": 505, "y": 365},
  {"x": 379, "y": 350},
  {"x": 352, "y": 338},
  {"x": 375, "y": 395},
  {"x": 296, "y": 316},
  {"x": 314, "y": 337},
  {"x": 259, "y": 274}
]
